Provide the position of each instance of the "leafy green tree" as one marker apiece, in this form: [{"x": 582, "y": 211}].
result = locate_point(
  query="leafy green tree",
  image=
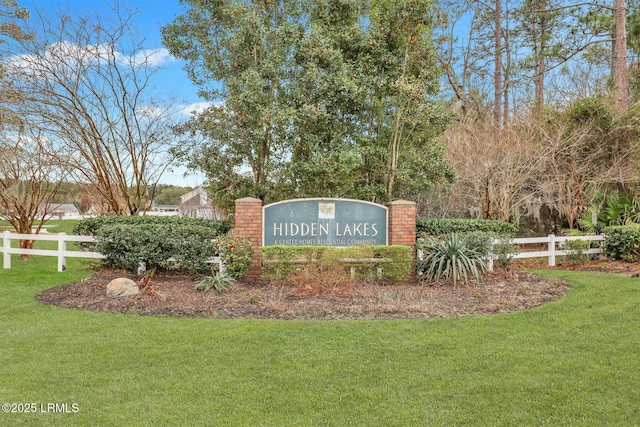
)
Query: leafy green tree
[
  {"x": 239, "y": 54},
  {"x": 319, "y": 98},
  {"x": 327, "y": 159},
  {"x": 402, "y": 78}
]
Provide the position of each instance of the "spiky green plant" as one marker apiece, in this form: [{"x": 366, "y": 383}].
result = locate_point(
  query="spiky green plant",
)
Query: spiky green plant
[
  {"x": 451, "y": 258},
  {"x": 219, "y": 281}
]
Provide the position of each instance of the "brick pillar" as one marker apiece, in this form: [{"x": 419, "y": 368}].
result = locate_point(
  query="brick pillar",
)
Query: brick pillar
[
  {"x": 402, "y": 226},
  {"x": 402, "y": 223},
  {"x": 248, "y": 223}
]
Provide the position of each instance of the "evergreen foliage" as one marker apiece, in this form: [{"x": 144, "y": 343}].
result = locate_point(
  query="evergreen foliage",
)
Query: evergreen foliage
[
  {"x": 322, "y": 98},
  {"x": 622, "y": 242},
  {"x": 443, "y": 226},
  {"x": 451, "y": 258}
]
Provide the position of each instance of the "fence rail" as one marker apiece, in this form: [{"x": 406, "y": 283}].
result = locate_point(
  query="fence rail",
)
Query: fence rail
[
  {"x": 555, "y": 248},
  {"x": 61, "y": 252}
]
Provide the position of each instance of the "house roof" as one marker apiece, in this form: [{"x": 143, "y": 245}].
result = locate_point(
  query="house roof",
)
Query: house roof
[{"x": 199, "y": 193}]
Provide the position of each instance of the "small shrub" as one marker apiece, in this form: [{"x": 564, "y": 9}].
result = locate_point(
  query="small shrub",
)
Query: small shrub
[
  {"x": 576, "y": 249},
  {"x": 219, "y": 281},
  {"x": 504, "y": 250},
  {"x": 399, "y": 270},
  {"x": 622, "y": 242},
  {"x": 451, "y": 258},
  {"x": 236, "y": 254}
]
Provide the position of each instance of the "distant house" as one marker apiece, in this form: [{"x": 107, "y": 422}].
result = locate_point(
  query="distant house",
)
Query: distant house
[
  {"x": 163, "y": 210},
  {"x": 197, "y": 204},
  {"x": 63, "y": 211}
]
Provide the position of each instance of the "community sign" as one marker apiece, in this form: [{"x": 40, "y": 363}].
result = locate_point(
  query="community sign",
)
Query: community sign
[{"x": 324, "y": 222}]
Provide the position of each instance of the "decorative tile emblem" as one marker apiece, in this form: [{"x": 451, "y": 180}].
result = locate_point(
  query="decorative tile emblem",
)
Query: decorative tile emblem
[{"x": 326, "y": 210}]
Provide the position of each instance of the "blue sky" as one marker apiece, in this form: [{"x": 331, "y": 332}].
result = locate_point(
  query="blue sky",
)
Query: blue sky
[{"x": 151, "y": 15}]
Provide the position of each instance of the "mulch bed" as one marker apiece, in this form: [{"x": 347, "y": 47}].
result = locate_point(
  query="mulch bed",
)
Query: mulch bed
[{"x": 322, "y": 297}]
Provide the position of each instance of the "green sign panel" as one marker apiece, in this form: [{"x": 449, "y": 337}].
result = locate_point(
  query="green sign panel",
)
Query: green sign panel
[{"x": 324, "y": 222}]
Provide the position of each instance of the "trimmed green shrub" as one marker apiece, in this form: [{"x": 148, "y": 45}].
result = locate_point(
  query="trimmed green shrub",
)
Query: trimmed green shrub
[
  {"x": 166, "y": 246},
  {"x": 90, "y": 226},
  {"x": 622, "y": 242},
  {"x": 280, "y": 261},
  {"x": 453, "y": 258},
  {"x": 400, "y": 269},
  {"x": 439, "y": 227}
]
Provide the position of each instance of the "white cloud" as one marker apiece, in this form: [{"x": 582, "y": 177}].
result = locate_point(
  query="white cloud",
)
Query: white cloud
[
  {"x": 152, "y": 111},
  {"x": 65, "y": 54},
  {"x": 152, "y": 57},
  {"x": 190, "y": 109}
]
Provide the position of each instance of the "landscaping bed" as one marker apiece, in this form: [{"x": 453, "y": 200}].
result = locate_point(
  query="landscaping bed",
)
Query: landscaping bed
[{"x": 326, "y": 297}]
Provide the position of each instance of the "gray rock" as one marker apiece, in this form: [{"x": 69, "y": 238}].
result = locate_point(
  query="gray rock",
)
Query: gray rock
[{"x": 122, "y": 287}]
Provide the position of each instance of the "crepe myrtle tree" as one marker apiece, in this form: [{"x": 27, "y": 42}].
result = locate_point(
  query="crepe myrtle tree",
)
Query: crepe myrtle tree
[
  {"x": 30, "y": 178},
  {"x": 86, "y": 84}
]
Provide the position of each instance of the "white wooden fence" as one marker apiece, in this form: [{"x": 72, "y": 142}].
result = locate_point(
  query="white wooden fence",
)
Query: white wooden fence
[
  {"x": 555, "y": 248},
  {"x": 61, "y": 252}
]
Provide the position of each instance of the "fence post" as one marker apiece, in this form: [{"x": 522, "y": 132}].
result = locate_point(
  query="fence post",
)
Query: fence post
[
  {"x": 491, "y": 255},
  {"x": 552, "y": 250},
  {"x": 62, "y": 248},
  {"x": 6, "y": 244}
]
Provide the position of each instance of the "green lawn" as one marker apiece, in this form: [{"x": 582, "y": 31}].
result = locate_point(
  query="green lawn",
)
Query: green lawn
[{"x": 572, "y": 362}]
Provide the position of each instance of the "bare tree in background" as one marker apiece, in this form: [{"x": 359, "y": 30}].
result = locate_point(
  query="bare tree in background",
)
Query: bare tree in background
[
  {"x": 496, "y": 181},
  {"x": 30, "y": 177},
  {"x": 86, "y": 83}
]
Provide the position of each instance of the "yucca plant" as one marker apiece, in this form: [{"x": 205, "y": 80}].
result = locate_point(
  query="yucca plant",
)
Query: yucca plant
[
  {"x": 220, "y": 281},
  {"x": 451, "y": 258}
]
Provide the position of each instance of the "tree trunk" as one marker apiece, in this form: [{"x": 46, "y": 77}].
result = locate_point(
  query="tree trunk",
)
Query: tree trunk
[
  {"x": 26, "y": 244},
  {"x": 620, "y": 72},
  {"x": 539, "y": 52},
  {"x": 497, "y": 74}
]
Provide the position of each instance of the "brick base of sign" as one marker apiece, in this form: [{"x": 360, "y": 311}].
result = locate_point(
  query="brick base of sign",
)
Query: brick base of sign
[
  {"x": 401, "y": 226},
  {"x": 402, "y": 223},
  {"x": 248, "y": 223}
]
